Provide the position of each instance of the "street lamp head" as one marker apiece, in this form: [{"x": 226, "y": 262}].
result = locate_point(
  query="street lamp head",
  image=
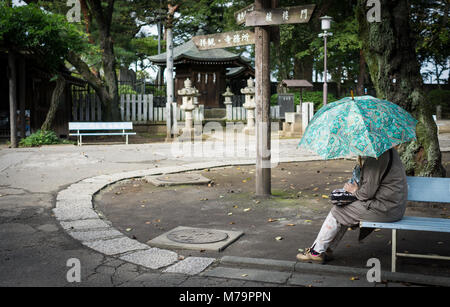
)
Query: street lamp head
[{"x": 326, "y": 22}]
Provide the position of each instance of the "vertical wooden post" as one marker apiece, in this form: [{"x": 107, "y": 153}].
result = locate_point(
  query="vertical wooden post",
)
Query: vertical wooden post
[
  {"x": 262, "y": 97},
  {"x": 169, "y": 82},
  {"x": 12, "y": 98},
  {"x": 22, "y": 98}
]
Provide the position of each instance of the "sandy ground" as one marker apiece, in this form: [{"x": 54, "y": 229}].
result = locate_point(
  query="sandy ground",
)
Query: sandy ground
[{"x": 274, "y": 228}]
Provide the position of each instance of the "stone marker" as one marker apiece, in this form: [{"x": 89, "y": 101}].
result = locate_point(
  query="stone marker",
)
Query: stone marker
[
  {"x": 292, "y": 127},
  {"x": 177, "y": 179},
  {"x": 286, "y": 103}
]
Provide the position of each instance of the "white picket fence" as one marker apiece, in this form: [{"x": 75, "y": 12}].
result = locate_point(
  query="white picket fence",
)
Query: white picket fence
[
  {"x": 140, "y": 109},
  {"x": 134, "y": 108},
  {"x": 240, "y": 113}
]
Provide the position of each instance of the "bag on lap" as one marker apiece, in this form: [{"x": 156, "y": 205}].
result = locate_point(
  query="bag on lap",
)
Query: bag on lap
[{"x": 340, "y": 197}]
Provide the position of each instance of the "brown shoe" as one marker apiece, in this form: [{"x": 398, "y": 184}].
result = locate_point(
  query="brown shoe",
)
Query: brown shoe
[{"x": 308, "y": 257}]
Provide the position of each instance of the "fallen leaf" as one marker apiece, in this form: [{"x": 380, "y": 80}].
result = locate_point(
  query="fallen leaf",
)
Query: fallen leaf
[
  {"x": 308, "y": 221},
  {"x": 157, "y": 221},
  {"x": 271, "y": 220},
  {"x": 148, "y": 223},
  {"x": 315, "y": 189},
  {"x": 230, "y": 213},
  {"x": 244, "y": 181},
  {"x": 290, "y": 225},
  {"x": 279, "y": 238},
  {"x": 128, "y": 229},
  {"x": 232, "y": 223},
  {"x": 244, "y": 275},
  {"x": 247, "y": 209},
  {"x": 235, "y": 206},
  {"x": 325, "y": 196},
  {"x": 354, "y": 278}
]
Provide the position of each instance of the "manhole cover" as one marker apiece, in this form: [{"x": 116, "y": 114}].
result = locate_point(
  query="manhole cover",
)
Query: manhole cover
[{"x": 197, "y": 236}]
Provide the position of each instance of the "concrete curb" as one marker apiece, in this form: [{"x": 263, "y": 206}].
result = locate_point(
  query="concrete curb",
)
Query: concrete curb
[{"x": 312, "y": 268}]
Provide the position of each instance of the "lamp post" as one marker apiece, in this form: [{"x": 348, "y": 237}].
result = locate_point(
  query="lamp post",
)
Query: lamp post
[{"x": 326, "y": 25}]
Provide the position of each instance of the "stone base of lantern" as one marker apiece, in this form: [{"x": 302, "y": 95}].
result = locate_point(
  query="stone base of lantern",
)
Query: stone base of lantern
[
  {"x": 292, "y": 127},
  {"x": 186, "y": 134},
  {"x": 249, "y": 130}
]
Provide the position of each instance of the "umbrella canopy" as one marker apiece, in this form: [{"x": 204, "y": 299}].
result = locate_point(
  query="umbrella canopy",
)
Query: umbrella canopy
[{"x": 365, "y": 126}]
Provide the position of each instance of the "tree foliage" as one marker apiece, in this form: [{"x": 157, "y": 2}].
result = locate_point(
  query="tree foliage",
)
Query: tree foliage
[{"x": 48, "y": 37}]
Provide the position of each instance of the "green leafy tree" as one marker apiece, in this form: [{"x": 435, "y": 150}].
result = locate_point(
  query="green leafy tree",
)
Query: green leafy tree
[
  {"x": 390, "y": 50},
  {"x": 48, "y": 38}
]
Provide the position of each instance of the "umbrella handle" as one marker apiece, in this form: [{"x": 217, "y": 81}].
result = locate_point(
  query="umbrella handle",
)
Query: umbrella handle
[{"x": 353, "y": 97}]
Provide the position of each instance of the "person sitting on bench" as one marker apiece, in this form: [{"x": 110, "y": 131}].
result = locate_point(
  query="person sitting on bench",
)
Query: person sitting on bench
[{"x": 380, "y": 197}]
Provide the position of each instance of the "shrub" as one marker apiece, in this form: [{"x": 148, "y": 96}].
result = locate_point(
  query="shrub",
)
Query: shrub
[
  {"x": 40, "y": 138},
  {"x": 126, "y": 89}
]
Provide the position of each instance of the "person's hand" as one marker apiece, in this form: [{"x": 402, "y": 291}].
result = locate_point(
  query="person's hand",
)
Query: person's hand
[{"x": 351, "y": 187}]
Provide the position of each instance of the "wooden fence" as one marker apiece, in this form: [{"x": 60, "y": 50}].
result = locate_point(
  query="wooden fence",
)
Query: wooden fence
[{"x": 140, "y": 109}]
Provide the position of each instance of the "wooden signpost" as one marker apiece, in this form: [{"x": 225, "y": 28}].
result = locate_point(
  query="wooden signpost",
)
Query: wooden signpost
[
  {"x": 280, "y": 16},
  {"x": 263, "y": 17},
  {"x": 242, "y": 14},
  {"x": 224, "y": 40}
]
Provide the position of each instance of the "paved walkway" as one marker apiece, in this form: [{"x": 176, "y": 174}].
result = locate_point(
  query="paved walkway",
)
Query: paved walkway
[{"x": 36, "y": 241}]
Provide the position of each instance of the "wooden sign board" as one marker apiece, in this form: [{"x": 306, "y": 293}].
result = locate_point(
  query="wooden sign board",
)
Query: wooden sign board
[
  {"x": 224, "y": 40},
  {"x": 279, "y": 16},
  {"x": 241, "y": 14}
]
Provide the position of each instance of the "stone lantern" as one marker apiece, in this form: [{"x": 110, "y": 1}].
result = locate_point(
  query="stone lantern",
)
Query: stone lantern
[
  {"x": 228, "y": 103},
  {"x": 250, "y": 106},
  {"x": 189, "y": 95}
]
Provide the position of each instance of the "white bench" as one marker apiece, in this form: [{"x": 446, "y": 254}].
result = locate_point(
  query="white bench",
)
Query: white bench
[
  {"x": 420, "y": 189},
  {"x": 99, "y": 129}
]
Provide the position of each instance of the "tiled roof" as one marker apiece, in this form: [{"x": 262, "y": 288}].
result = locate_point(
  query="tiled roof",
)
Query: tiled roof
[{"x": 190, "y": 51}]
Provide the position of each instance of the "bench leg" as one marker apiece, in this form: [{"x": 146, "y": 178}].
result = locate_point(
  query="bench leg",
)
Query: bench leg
[
  {"x": 127, "y": 138},
  {"x": 394, "y": 250}
]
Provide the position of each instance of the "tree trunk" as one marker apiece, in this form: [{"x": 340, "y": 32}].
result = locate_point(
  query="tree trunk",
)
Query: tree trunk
[
  {"x": 54, "y": 103},
  {"x": 362, "y": 74},
  {"x": 389, "y": 49},
  {"x": 12, "y": 98},
  {"x": 303, "y": 68}
]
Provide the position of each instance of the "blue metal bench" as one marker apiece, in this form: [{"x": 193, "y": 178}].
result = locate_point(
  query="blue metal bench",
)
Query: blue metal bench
[
  {"x": 420, "y": 189},
  {"x": 94, "y": 126}
]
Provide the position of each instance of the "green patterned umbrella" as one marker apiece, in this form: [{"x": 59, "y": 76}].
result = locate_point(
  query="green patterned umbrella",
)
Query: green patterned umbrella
[{"x": 365, "y": 126}]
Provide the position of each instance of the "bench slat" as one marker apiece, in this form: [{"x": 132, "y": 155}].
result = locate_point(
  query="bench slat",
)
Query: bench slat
[
  {"x": 427, "y": 189},
  {"x": 102, "y": 133},
  {"x": 413, "y": 223},
  {"x": 100, "y": 126}
]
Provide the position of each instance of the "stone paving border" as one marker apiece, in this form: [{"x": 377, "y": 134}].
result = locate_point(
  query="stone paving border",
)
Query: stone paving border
[{"x": 76, "y": 214}]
